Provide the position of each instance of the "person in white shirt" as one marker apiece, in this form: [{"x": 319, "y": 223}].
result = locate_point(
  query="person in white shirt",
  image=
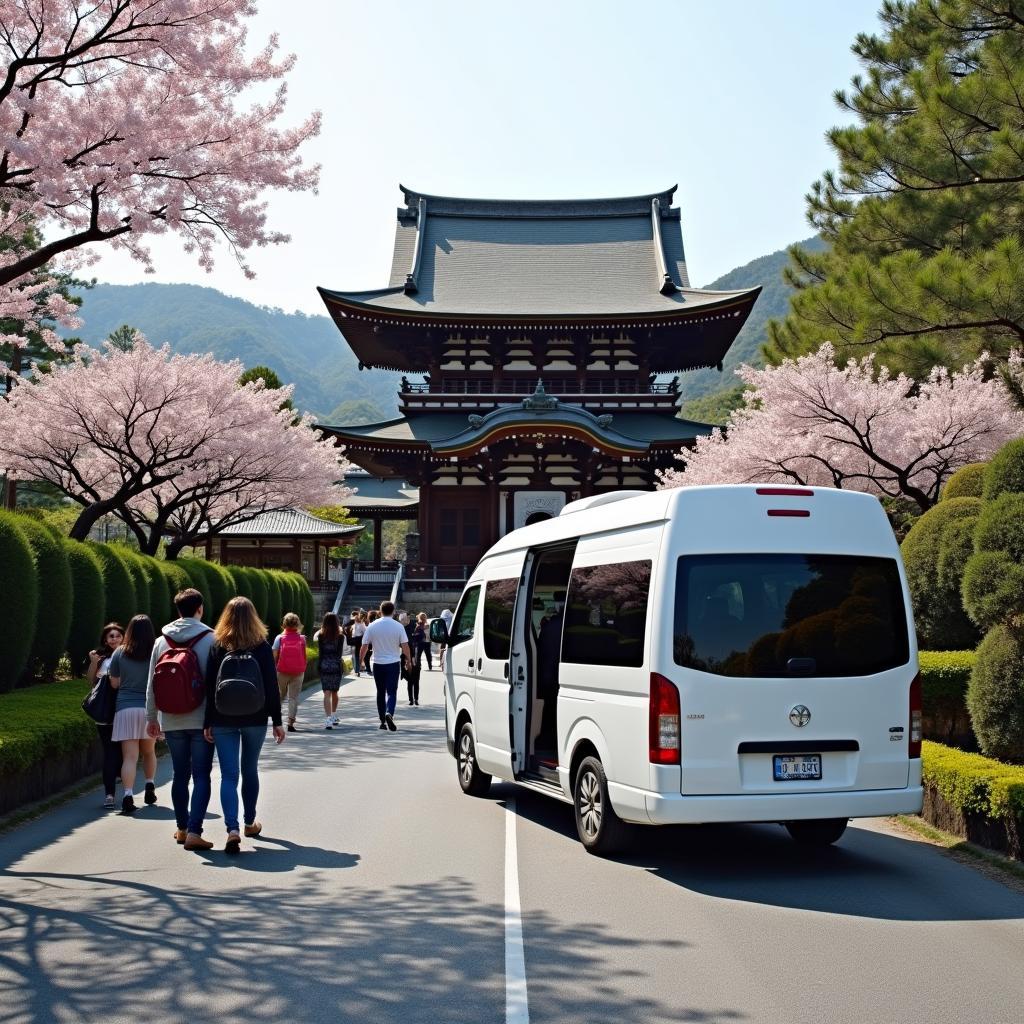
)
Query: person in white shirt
[{"x": 390, "y": 645}]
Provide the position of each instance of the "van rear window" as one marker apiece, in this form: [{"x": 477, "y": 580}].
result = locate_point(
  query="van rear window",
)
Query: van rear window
[{"x": 759, "y": 616}]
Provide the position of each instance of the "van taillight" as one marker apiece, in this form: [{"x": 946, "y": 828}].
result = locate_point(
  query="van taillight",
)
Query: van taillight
[
  {"x": 664, "y": 721},
  {"x": 914, "y": 748}
]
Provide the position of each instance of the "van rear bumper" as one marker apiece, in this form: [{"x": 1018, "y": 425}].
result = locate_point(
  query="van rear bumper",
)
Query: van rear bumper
[{"x": 671, "y": 809}]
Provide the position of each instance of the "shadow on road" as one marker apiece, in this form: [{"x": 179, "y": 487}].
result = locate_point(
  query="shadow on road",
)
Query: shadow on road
[
  {"x": 269, "y": 854},
  {"x": 92, "y": 947},
  {"x": 867, "y": 874}
]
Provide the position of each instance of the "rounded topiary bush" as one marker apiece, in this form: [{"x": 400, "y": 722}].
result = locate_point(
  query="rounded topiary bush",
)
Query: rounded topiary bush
[
  {"x": 227, "y": 580},
  {"x": 242, "y": 582},
  {"x": 88, "y": 604},
  {"x": 995, "y": 694},
  {"x": 1005, "y": 473},
  {"x": 966, "y": 482},
  {"x": 53, "y": 615},
  {"x": 260, "y": 592},
  {"x": 993, "y": 588},
  {"x": 1000, "y": 526},
  {"x": 121, "y": 600},
  {"x": 275, "y": 602},
  {"x": 140, "y": 577},
  {"x": 19, "y": 599},
  {"x": 939, "y": 538},
  {"x": 160, "y": 593},
  {"x": 200, "y": 579},
  {"x": 176, "y": 579}
]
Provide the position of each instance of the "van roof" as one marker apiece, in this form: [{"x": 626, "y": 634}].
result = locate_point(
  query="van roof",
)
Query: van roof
[{"x": 651, "y": 507}]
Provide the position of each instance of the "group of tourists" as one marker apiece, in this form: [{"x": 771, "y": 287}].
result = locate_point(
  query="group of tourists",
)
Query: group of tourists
[{"x": 210, "y": 691}]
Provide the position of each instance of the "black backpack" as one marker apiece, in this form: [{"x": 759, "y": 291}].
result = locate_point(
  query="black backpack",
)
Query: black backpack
[{"x": 239, "y": 688}]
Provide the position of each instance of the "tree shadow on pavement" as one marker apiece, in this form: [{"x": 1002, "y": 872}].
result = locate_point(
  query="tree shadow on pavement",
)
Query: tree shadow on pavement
[
  {"x": 94, "y": 947},
  {"x": 866, "y": 874}
]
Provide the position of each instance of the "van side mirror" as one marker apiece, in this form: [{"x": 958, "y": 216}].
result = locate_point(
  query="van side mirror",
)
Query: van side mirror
[{"x": 439, "y": 632}]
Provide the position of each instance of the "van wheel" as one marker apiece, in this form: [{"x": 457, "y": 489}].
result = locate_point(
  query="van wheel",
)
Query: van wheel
[
  {"x": 471, "y": 779},
  {"x": 600, "y": 829},
  {"x": 817, "y": 831}
]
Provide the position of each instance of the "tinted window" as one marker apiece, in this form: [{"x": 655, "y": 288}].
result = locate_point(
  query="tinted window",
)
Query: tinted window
[
  {"x": 606, "y": 614},
  {"x": 499, "y": 603},
  {"x": 464, "y": 623},
  {"x": 778, "y": 615}
]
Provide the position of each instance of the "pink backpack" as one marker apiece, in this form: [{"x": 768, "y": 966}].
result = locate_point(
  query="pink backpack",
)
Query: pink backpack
[{"x": 291, "y": 658}]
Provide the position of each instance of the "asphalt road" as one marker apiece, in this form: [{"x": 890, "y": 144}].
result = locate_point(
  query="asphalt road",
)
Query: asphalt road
[{"x": 378, "y": 893}]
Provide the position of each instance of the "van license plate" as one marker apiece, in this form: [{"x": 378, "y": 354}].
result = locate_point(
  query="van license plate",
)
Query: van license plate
[{"x": 796, "y": 767}]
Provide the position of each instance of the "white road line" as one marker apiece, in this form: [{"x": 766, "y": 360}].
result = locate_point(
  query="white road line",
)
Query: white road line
[{"x": 517, "y": 1010}]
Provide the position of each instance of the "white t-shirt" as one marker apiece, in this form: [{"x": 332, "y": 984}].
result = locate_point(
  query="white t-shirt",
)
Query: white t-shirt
[{"x": 386, "y": 637}]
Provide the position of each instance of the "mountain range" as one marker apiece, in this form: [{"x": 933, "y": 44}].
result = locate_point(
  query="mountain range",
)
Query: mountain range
[{"x": 308, "y": 351}]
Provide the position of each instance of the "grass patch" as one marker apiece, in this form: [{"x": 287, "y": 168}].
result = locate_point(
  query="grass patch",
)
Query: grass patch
[
  {"x": 43, "y": 721},
  {"x": 961, "y": 848}
]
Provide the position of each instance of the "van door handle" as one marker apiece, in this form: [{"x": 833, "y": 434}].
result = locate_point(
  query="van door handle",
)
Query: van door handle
[
  {"x": 521, "y": 675},
  {"x": 472, "y": 665},
  {"x": 505, "y": 670}
]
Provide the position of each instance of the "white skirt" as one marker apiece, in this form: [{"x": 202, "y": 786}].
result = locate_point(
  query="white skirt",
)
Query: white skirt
[{"x": 130, "y": 724}]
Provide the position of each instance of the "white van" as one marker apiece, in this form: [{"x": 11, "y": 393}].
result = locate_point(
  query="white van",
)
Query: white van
[{"x": 706, "y": 654}]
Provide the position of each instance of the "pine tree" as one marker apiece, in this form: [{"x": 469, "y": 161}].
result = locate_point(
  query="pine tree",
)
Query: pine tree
[{"x": 925, "y": 263}]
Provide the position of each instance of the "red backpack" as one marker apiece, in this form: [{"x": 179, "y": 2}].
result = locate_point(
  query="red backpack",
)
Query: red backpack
[
  {"x": 178, "y": 683},
  {"x": 291, "y": 658}
]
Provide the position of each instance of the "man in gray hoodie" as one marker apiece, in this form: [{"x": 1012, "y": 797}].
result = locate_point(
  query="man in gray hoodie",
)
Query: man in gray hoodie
[{"x": 191, "y": 754}]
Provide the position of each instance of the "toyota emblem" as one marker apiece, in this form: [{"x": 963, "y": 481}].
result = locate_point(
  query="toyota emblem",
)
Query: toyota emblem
[{"x": 800, "y": 716}]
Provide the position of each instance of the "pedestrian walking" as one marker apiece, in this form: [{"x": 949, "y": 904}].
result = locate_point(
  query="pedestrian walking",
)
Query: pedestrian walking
[
  {"x": 241, "y": 694},
  {"x": 99, "y": 665},
  {"x": 366, "y": 650},
  {"x": 290, "y": 656},
  {"x": 421, "y": 636},
  {"x": 391, "y": 649},
  {"x": 356, "y": 631},
  {"x": 329, "y": 665},
  {"x": 129, "y": 675},
  {"x": 184, "y": 643}
]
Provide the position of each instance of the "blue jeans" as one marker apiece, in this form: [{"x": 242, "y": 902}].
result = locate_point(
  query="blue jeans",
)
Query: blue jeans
[
  {"x": 231, "y": 741},
  {"x": 386, "y": 678},
  {"x": 192, "y": 757}
]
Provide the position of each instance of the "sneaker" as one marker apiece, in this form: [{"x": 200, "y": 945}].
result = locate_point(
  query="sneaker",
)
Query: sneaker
[
  {"x": 234, "y": 843},
  {"x": 335, "y": 719},
  {"x": 108, "y": 802},
  {"x": 127, "y": 805},
  {"x": 254, "y": 829},
  {"x": 328, "y": 724},
  {"x": 180, "y": 835},
  {"x": 291, "y": 727},
  {"x": 390, "y": 722},
  {"x": 194, "y": 841},
  {"x": 417, "y": 703},
  {"x": 150, "y": 793},
  {"x": 382, "y": 725}
]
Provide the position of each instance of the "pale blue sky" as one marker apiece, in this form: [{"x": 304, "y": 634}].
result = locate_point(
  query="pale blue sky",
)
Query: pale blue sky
[{"x": 562, "y": 98}]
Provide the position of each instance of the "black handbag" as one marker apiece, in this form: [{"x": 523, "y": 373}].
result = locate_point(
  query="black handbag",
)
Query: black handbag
[{"x": 101, "y": 701}]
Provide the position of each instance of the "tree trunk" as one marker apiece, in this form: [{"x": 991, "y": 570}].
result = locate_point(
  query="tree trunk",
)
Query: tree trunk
[
  {"x": 174, "y": 547},
  {"x": 89, "y": 517},
  {"x": 11, "y": 486}
]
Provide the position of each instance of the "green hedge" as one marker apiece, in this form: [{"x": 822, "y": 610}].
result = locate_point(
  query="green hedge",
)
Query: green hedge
[
  {"x": 945, "y": 674},
  {"x": 89, "y": 603},
  {"x": 121, "y": 600},
  {"x": 44, "y": 721},
  {"x": 53, "y": 614},
  {"x": 19, "y": 599},
  {"x": 972, "y": 783}
]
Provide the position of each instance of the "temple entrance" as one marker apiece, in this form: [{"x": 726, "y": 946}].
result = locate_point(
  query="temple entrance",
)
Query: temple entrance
[{"x": 537, "y": 517}]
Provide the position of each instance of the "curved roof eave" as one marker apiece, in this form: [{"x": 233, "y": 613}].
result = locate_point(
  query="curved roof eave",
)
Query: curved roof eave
[{"x": 358, "y": 300}]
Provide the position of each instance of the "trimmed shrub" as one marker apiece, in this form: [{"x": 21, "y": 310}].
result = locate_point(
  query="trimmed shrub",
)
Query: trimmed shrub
[
  {"x": 53, "y": 614},
  {"x": 203, "y": 582},
  {"x": 118, "y": 586},
  {"x": 42, "y": 722},
  {"x": 291, "y": 600},
  {"x": 242, "y": 582},
  {"x": 88, "y": 604},
  {"x": 161, "y": 596},
  {"x": 995, "y": 696},
  {"x": 275, "y": 601},
  {"x": 966, "y": 482},
  {"x": 19, "y": 599},
  {"x": 227, "y": 580},
  {"x": 971, "y": 782},
  {"x": 993, "y": 588},
  {"x": 933, "y": 549},
  {"x": 140, "y": 577},
  {"x": 1000, "y": 526},
  {"x": 260, "y": 593},
  {"x": 944, "y": 679},
  {"x": 1005, "y": 472}
]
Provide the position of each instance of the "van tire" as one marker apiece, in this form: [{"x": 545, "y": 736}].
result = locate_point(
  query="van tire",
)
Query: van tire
[
  {"x": 472, "y": 780},
  {"x": 600, "y": 829},
  {"x": 817, "y": 831}
]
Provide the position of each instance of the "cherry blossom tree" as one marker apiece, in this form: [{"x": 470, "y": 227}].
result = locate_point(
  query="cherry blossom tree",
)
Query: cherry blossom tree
[
  {"x": 122, "y": 119},
  {"x": 808, "y": 421},
  {"x": 167, "y": 442}
]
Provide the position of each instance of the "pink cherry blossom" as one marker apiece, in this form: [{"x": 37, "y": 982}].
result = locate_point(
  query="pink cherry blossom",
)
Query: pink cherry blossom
[
  {"x": 808, "y": 421},
  {"x": 171, "y": 443},
  {"x": 122, "y": 119}
]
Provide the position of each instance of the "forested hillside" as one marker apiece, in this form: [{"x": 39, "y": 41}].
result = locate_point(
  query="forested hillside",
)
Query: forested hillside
[
  {"x": 306, "y": 351},
  {"x": 774, "y": 302}
]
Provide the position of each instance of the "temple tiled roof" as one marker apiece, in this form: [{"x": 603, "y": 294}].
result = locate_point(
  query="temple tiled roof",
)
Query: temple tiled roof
[{"x": 293, "y": 522}]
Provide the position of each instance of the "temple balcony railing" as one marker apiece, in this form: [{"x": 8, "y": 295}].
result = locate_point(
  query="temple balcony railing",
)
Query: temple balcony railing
[
  {"x": 446, "y": 401},
  {"x": 509, "y": 387}
]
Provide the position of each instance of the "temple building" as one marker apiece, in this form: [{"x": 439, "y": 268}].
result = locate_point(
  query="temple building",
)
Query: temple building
[{"x": 541, "y": 343}]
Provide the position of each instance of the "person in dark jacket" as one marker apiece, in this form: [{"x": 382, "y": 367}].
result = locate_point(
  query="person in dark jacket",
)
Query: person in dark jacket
[{"x": 239, "y": 738}]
